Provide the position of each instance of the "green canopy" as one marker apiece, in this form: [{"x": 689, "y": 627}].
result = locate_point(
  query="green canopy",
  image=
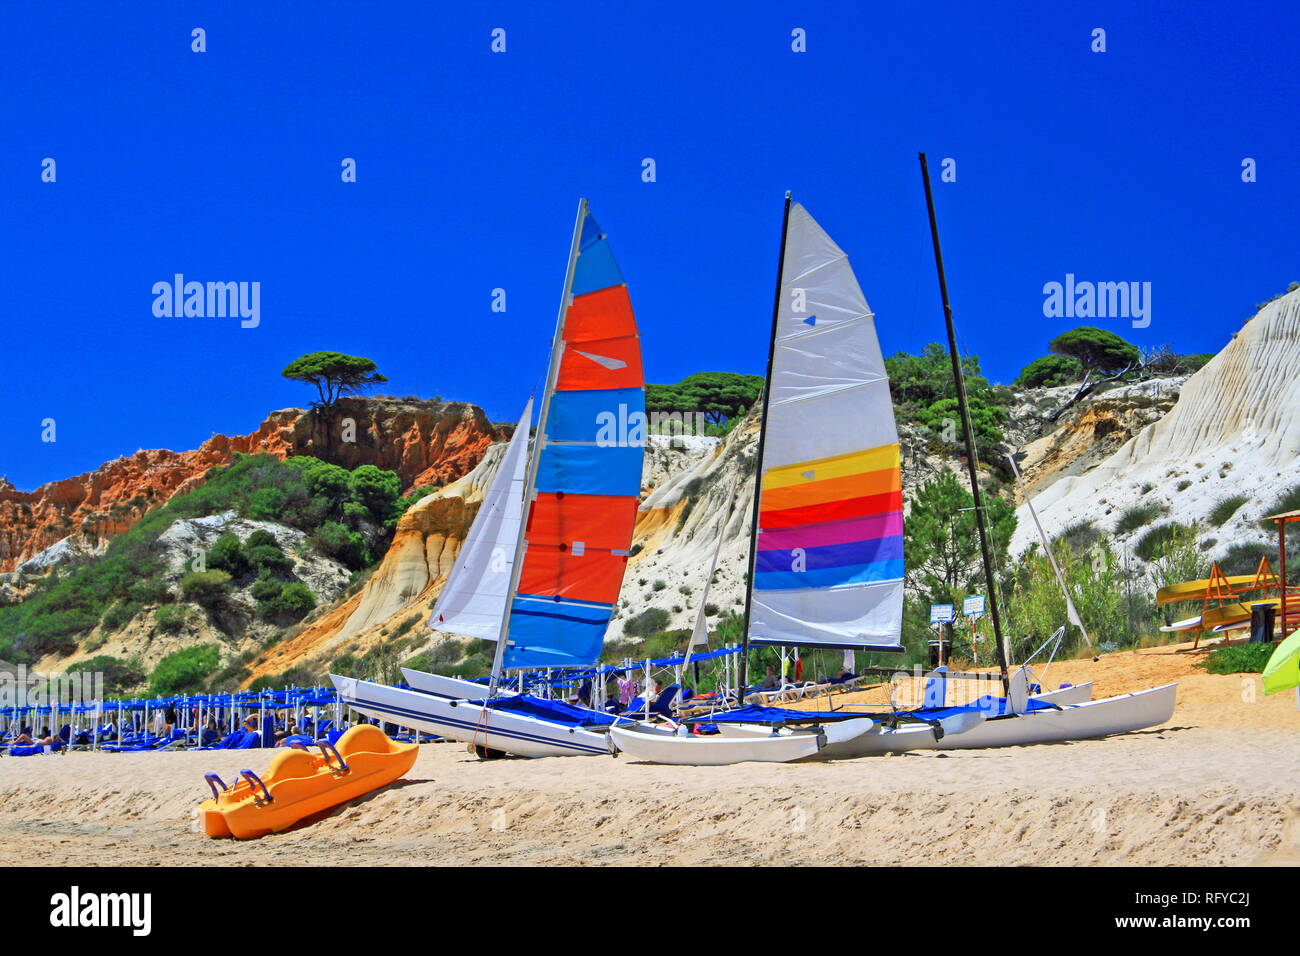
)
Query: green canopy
[{"x": 1282, "y": 671}]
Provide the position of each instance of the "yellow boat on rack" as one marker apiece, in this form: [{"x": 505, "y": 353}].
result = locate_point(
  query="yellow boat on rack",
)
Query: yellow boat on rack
[
  {"x": 1221, "y": 586},
  {"x": 1223, "y": 618},
  {"x": 299, "y": 783}
]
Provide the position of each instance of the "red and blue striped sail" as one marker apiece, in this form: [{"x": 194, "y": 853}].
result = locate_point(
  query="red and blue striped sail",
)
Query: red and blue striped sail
[
  {"x": 828, "y": 563},
  {"x": 579, "y": 526}
]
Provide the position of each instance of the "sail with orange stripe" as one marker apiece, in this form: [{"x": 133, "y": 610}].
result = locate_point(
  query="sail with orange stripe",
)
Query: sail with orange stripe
[
  {"x": 587, "y": 479},
  {"x": 828, "y": 560}
]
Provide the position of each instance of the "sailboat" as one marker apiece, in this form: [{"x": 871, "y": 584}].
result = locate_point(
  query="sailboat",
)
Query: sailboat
[
  {"x": 826, "y": 563},
  {"x": 541, "y": 568},
  {"x": 826, "y": 538}
]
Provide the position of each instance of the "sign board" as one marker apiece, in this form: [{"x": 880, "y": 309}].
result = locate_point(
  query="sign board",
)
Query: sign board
[
  {"x": 941, "y": 613},
  {"x": 973, "y": 605}
]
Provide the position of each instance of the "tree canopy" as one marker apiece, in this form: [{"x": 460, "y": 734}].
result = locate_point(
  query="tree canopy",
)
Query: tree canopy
[
  {"x": 1050, "y": 370},
  {"x": 334, "y": 374},
  {"x": 941, "y": 543},
  {"x": 718, "y": 395},
  {"x": 1095, "y": 349},
  {"x": 923, "y": 391}
]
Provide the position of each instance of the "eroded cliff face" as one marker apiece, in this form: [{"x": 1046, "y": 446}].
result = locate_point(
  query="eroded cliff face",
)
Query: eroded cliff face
[
  {"x": 694, "y": 491},
  {"x": 1235, "y": 430},
  {"x": 425, "y": 442},
  {"x": 687, "y": 486},
  {"x": 1086, "y": 435},
  {"x": 405, "y": 584}
]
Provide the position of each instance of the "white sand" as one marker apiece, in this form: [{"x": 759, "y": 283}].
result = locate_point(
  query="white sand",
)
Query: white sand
[{"x": 1219, "y": 784}]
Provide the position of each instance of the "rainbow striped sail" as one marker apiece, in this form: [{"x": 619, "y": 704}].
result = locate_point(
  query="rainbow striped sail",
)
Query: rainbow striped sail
[
  {"x": 588, "y": 478},
  {"x": 828, "y": 563}
]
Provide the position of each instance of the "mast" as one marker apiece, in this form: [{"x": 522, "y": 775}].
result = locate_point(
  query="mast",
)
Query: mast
[
  {"x": 968, "y": 431},
  {"x": 557, "y": 352},
  {"x": 758, "y": 467}
]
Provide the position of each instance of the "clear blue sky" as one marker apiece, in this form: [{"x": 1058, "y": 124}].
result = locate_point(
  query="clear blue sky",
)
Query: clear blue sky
[{"x": 225, "y": 165}]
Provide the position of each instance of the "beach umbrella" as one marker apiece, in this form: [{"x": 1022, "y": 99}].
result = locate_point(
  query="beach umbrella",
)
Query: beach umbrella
[{"x": 1282, "y": 671}]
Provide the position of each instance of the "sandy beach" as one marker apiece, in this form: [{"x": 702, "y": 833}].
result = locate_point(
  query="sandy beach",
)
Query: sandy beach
[{"x": 1217, "y": 785}]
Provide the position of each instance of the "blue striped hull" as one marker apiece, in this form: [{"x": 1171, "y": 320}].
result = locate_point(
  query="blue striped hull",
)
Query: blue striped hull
[{"x": 470, "y": 723}]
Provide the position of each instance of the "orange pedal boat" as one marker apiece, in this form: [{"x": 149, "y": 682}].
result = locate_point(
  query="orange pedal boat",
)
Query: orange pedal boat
[{"x": 299, "y": 783}]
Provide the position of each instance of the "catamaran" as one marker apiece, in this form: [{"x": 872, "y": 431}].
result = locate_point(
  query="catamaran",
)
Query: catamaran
[
  {"x": 826, "y": 535},
  {"x": 542, "y": 566},
  {"x": 826, "y": 557}
]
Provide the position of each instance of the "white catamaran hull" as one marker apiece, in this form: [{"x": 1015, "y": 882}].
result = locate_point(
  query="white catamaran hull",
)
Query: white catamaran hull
[
  {"x": 882, "y": 739},
  {"x": 1095, "y": 718},
  {"x": 453, "y": 688},
  {"x": 878, "y": 739},
  {"x": 469, "y": 722},
  {"x": 783, "y": 746}
]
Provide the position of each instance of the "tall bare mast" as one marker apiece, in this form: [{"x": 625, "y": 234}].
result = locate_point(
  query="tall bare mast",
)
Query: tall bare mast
[{"x": 968, "y": 431}]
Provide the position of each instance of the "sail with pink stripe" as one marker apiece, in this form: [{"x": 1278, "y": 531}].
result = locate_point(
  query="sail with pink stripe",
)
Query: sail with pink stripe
[{"x": 828, "y": 561}]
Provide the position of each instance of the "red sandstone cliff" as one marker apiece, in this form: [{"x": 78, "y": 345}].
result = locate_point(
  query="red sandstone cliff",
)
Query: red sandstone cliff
[{"x": 425, "y": 442}]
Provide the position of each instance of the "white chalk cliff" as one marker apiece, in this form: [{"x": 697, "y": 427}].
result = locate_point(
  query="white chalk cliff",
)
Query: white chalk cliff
[{"x": 1235, "y": 430}]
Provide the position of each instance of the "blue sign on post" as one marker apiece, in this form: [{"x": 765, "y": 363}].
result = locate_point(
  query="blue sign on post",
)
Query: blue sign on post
[
  {"x": 973, "y": 605},
  {"x": 941, "y": 613}
]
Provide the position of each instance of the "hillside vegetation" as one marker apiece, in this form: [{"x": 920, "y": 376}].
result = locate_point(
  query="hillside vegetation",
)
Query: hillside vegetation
[{"x": 348, "y": 516}]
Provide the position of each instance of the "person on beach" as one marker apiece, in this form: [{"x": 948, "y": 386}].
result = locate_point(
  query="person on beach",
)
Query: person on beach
[
  {"x": 25, "y": 738},
  {"x": 771, "y": 681},
  {"x": 627, "y": 689}
]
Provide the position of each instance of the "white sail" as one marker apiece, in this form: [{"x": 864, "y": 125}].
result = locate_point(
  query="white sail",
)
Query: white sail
[
  {"x": 829, "y": 552},
  {"x": 473, "y": 601}
]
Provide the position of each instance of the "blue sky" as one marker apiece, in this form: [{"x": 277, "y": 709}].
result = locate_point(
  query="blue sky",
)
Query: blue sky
[{"x": 225, "y": 166}]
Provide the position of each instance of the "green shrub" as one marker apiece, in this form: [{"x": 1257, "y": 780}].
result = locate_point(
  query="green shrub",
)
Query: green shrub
[
  {"x": 185, "y": 671},
  {"x": 1080, "y": 536},
  {"x": 660, "y": 585},
  {"x": 118, "y": 615},
  {"x": 269, "y": 557},
  {"x": 1149, "y": 545},
  {"x": 1139, "y": 516},
  {"x": 375, "y": 488},
  {"x": 170, "y": 617},
  {"x": 227, "y": 554},
  {"x": 348, "y": 547},
  {"x": 264, "y": 589},
  {"x": 650, "y": 621},
  {"x": 267, "y": 504},
  {"x": 207, "y": 589},
  {"x": 326, "y": 480},
  {"x": 1226, "y": 508},
  {"x": 1288, "y": 501},
  {"x": 1237, "y": 659},
  {"x": 409, "y": 623},
  {"x": 293, "y": 603},
  {"x": 119, "y": 675},
  {"x": 261, "y": 538},
  {"x": 475, "y": 665}
]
